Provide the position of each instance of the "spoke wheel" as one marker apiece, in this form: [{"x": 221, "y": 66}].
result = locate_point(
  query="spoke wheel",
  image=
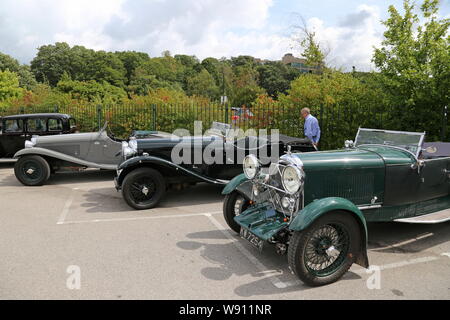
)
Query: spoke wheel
[
  {"x": 143, "y": 188},
  {"x": 32, "y": 170},
  {"x": 234, "y": 204},
  {"x": 326, "y": 249},
  {"x": 323, "y": 252}
]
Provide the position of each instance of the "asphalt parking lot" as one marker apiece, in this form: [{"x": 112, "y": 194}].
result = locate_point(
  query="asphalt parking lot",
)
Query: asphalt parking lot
[{"x": 181, "y": 250}]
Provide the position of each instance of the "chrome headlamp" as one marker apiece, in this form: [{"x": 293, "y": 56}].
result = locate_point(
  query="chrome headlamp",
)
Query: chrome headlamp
[
  {"x": 349, "y": 144},
  {"x": 251, "y": 166},
  {"x": 31, "y": 143},
  {"x": 129, "y": 148},
  {"x": 292, "y": 179}
]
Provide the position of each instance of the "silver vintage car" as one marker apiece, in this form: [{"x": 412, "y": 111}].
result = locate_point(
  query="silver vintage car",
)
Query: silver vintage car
[{"x": 44, "y": 155}]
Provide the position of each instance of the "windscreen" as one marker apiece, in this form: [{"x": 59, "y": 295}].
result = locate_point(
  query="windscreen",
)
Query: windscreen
[{"x": 410, "y": 141}]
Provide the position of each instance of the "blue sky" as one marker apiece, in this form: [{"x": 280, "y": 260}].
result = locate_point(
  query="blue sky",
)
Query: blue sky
[{"x": 348, "y": 29}]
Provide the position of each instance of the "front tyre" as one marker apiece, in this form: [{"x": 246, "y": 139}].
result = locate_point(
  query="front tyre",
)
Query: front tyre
[
  {"x": 323, "y": 253},
  {"x": 143, "y": 188},
  {"x": 32, "y": 170},
  {"x": 233, "y": 204}
]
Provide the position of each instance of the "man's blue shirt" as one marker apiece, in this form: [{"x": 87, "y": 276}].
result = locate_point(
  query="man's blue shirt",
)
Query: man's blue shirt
[{"x": 312, "y": 129}]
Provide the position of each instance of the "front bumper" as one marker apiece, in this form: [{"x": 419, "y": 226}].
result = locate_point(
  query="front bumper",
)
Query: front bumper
[{"x": 262, "y": 220}]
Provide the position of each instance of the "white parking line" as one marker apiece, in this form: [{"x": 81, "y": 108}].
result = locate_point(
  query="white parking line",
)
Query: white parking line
[
  {"x": 399, "y": 244},
  {"x": 140, "y": 218},
  {"x": 382, "y": 267},
  {"x": 66, "y": 208},
  {"x": 261, "y": 268}
]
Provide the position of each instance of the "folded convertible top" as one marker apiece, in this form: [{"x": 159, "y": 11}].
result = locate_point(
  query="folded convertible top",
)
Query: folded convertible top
[{"x": 436, "y": 149}]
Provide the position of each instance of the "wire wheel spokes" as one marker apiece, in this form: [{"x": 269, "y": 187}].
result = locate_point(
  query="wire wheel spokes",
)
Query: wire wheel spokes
[
  {"x": 31, "y": 171},
  {"x": 143, "y": 189},
  {"x": 326, "y": 249}
]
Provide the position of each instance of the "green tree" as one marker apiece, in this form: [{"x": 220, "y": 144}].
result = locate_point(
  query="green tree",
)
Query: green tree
[
  {"x": 312, "y": 51},
  {"x": 142, "y": 82},
  {"x": 90, "y": 90},
  {"x": 51, "y": 62},
  {"x": 82, "y": 64},
  {"x": 105, "y": 66},
  {"x": 414, "y": 61},
  {"x": 243, "y": 61},
  {"x": 8, "y": 62},
  {"x": 131, "y": 60},
  {"x": 190, "y": 62},
  {"x": 202, "y": 84},
  {"x": 9, "y": 85},
  {"x": 26, "y": 78},
  {"x": 244, "y": 87},
  {"x": 276, "y": 77},
  {"x": 159, "y": 72}
]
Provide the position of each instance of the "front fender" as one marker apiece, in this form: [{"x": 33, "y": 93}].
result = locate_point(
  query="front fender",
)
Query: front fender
[
  {"x": 139, "y": 161},
  {"x": 234, "y": 183},
  {"x": 317, "y": 208}
]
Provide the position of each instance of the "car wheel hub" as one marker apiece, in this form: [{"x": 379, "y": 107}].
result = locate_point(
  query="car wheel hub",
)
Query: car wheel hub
[
  {"x": 332, "y": 252},
  {"x": 31, "y": 171},
  {"x": 142, "y": 190}
]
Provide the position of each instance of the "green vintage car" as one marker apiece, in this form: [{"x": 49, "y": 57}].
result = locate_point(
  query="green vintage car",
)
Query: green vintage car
[{"x": 315, "y": 206}]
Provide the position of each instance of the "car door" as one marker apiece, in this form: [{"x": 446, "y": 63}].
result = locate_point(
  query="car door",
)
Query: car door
[
  {"x": 104, "y": 150},
  {"x": 435, "y": 179},
  {"x": 111, "y": 150},
  {"x": 12, "y": 137}
]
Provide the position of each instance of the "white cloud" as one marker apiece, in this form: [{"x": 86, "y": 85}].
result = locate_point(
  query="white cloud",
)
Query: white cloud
[
  {"x": 27, "y": 24},
  {"x": 351, "y": 42},
  {"x": 202, "y": 27}
]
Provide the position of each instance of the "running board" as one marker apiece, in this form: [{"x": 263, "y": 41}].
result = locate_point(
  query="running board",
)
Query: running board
[{"x": 435, "y": 217}]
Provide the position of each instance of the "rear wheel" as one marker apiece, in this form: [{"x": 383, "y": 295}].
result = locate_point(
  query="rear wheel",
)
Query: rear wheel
[
  {"x": 323, "y": 253},
  {"x": 233, "y": 204},
  {"x": 32, "y": 170},
  {"x": 143, "y": 188}
]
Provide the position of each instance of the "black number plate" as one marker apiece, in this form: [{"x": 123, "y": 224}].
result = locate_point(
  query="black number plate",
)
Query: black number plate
[{"x": 250, "y": 237}]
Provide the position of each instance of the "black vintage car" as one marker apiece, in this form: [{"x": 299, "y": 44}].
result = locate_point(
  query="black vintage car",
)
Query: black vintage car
[
  {"x": 16, "y": 129},
  {"x": 151, "y": 165}
]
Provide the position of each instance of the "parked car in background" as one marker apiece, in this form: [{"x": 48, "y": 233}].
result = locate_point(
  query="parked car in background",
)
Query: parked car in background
[
  {"x": 16, "y": 129},
  {"x": 149, "y": 168},
  {"x": 314, "y": 206},
  {"x": 44, "y": 155},
  {"x": 241, "y": 114}
]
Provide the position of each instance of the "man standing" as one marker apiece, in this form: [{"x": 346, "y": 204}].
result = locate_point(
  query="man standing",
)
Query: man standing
[{"x": 312, "y": 129}]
